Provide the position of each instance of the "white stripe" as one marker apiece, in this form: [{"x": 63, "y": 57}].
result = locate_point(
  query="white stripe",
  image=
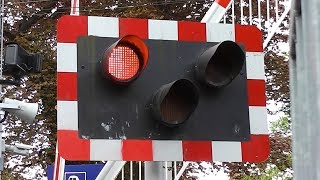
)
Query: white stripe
[
  {"x": 255, "y": 65},
  {"x": 101, "y": 149},
  {"x": 258, "y": 120},
  {"x": 220, "y": 32},
  {"x": 164, "y": 150},
  {"x": 226, "y": 151},
  {"x": 163, "y": 29},
  {"x": 67, "y": 115},
  {"x": 103, "y": 26},
  {"x": 67, "y": 57}
]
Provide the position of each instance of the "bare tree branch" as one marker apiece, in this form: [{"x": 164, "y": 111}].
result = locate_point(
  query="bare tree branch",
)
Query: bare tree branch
[{"x": 26, "y": 22}]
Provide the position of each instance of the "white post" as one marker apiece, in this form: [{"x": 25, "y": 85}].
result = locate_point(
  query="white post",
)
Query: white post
[
  {"x": 158, "y": 170},
  {"x": 58, "y": 173},
  {"x": 75, "y": 9},
  {"x": 1, "y": 71},
  {"x": 1, "y": 151}
]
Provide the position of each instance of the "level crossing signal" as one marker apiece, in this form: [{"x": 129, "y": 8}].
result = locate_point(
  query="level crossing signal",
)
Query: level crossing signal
[{"x": 148, "y": 88}]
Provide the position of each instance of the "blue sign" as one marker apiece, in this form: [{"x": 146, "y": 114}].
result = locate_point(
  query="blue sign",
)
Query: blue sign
[
  {"x": 78, "y": 172},
  {"x": 75, "y": 176}
]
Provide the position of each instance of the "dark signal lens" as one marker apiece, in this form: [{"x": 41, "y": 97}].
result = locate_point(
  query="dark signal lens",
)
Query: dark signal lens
[
  {"x": 173, "y": 103},
  {"x": 220, "y": 64}
]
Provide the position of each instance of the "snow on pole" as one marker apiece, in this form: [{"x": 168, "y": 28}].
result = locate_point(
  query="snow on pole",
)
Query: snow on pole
[{"x": 216, "y": 11}]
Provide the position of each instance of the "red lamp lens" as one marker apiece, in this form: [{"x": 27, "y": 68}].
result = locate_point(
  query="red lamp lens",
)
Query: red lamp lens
[{"x": 123, "y": 63}]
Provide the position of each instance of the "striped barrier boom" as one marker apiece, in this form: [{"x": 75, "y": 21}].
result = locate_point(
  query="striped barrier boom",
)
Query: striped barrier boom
[{"x": 216, "y": 11}]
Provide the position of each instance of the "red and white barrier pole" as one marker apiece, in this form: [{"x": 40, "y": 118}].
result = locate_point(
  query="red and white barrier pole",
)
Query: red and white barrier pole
[
  {"x": 216, "y": 11},
  {"x": 58, "y": 166},
  {"x": 75, "y": 10}
]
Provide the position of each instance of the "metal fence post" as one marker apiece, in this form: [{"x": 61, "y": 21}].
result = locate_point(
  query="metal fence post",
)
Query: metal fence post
[{"x": 305, "y": 88}]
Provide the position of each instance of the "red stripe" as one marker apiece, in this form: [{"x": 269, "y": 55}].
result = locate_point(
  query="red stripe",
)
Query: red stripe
[
  {"x": 192, "y": 31},
  {"x": 197, "y": 150},
  {"x": 69, "y": 28},
  {"x": 250, "y": 36},
  {"x": 71, "y": 147},
  {"x": 223, "y": 3},
  {"x": 137, "y": 150},
  {"x": 67, "y": 86},
  {"x": 131, "y": 26},
  {"x": 257, "y": 149},
  {"x": 256, "y": 92}
]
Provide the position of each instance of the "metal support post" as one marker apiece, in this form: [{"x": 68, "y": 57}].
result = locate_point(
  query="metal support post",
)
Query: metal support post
[
  {"x": 158, "y": 170},
  {"x": 305, "y": 87},
  {"x": 1, "y": 151},
  {"x": 111, "y": 170},
  {"x": 183, "y": 168},
  {"x": 1, "y": 69}
]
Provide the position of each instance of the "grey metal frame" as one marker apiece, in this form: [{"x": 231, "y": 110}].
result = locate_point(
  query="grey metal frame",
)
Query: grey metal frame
[{"x": 305, "y": 87}]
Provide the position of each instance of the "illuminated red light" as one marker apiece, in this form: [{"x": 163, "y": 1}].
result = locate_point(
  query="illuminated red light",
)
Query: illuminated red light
[
  {"x": 124, "y": 60},
  {"x": 123, "y": 63}
]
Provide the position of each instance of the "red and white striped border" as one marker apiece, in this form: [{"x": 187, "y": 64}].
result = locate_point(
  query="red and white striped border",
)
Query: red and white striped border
[{"x": 71, "y": 147}]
